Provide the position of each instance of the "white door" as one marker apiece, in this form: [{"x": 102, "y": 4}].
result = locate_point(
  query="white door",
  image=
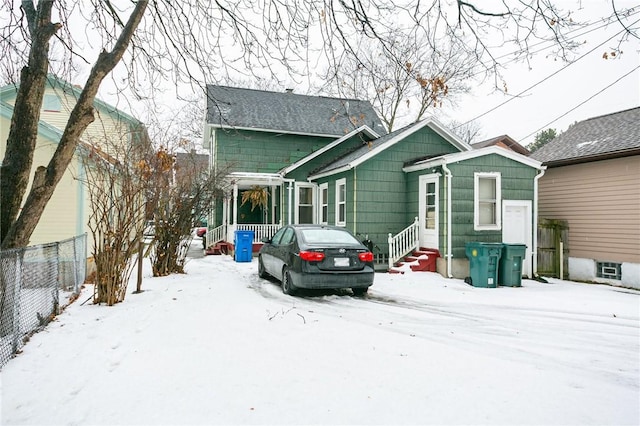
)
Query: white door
[
  {"x": 516, "y": 228},
  {"x": 428, "y": 211}
]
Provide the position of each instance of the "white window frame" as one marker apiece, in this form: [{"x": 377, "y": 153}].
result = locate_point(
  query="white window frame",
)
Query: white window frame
[
  {"x": 340, "y": 183},
  {"x": 322, "y": 188},
  {"x": 476, "y": 201},
  {"x": 313, "y": 187},
  {"x": 51, "y": 103}
]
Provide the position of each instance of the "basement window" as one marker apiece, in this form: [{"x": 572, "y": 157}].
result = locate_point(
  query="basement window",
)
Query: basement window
[{"x": 609, "y": 270}]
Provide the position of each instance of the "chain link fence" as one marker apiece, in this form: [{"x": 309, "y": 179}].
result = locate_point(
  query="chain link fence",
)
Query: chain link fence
[{"x": 32, "y": 281}]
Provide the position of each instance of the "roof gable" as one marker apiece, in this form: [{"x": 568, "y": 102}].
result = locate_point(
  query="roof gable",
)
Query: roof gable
[
  {"x": 367, "y": 151},
  {"x": 468, "y": 155},
  {"x": 10, "y": 91},
  {"x": 610, "y": 135},
  {"x": 505, "y": 141},
  {"x": 364, "y": 131},
  {"x": 45, "y": 130},
  {"x": 285, "y": 112}
]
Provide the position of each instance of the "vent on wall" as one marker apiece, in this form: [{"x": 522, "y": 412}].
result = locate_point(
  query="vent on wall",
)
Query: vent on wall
[{"x": 609, "y": 270}]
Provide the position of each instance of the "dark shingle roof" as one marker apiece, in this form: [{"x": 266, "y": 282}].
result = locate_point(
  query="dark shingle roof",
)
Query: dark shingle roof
[
  {"x": 288, "y": 112},
  {"x": 615, "y": 133}
]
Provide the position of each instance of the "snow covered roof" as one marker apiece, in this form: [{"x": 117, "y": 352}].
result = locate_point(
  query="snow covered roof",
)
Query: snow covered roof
[{"x": 611, "y": 135}]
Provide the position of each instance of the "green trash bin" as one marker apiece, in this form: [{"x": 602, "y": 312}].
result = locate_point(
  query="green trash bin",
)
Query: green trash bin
[
  {"x": 483, "y": 263},
  {"x": 511, "y": 264}
]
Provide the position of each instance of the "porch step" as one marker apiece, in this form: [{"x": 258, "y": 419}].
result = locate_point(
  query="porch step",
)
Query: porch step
[
  {"x": 421, "y": 260},
  {"x": 218, "y": 248}
]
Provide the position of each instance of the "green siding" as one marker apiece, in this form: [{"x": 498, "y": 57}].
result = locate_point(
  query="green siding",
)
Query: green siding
[
  {"x": 384, "y": 205},
  {"x": 346, "y": 146},
  {"x": 262, "y": 152},
  {"x": 516, "y": 183}
]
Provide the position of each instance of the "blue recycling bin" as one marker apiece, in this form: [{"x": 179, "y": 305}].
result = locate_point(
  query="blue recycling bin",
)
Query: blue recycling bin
[{"x": 243, "y": 243}]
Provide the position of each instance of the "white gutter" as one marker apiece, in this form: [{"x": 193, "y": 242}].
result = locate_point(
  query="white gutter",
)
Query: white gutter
[
  {"x": 448, "y": 254},
  {"x": 355, "y": 204},
  {"x": 534, "y": 251}
]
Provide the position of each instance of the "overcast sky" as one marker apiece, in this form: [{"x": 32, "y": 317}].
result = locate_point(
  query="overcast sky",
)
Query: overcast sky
[
  {"x": 563, "y": 98},
  {"x": 547, "y": 92}
]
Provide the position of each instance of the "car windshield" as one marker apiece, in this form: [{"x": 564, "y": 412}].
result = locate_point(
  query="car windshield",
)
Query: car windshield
[{"x": 333, "y": 236}]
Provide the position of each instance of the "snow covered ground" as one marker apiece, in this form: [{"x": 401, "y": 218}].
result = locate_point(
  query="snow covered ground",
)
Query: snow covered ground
[{"x": 218, "y": 345}]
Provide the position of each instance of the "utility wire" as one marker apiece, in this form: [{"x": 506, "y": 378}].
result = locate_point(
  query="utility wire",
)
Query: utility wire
[
  {"x": 601, "y": 24},
  {"x": 546, "y": 78},
  {"x": 580, "y": 104}
]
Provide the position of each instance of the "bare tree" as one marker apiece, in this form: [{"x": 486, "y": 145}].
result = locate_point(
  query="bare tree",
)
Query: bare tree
[
  {"x": 469, "y": 132},
  {"x": 404, "y": 81},
  {"x": 192, "y": 42},
  {"x": 184, "y": 193},
  {"x": 117, "y": 177}
]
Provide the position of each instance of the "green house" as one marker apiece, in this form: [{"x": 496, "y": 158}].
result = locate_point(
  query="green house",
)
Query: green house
[{"x": 329, "y": 160}]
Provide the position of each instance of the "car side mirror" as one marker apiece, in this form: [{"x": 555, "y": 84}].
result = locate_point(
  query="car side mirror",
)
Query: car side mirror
[{"x": 266, "y": 240}]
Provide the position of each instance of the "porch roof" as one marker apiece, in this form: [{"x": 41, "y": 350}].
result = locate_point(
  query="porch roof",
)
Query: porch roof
[{"x": 249, "y": 179}]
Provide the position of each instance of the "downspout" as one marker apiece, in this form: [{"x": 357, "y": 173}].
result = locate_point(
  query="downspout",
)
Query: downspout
[
  {"x": 534, "y": 268},
  {"x": 449, "y": 254},
  {"x": 355, "y": 205}
]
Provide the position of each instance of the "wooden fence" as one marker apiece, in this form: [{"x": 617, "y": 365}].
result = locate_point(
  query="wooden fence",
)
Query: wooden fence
[{"x": 552, "y": 235}]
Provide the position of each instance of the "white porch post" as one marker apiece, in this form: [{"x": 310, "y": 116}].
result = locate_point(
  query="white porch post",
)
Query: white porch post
[
  {"x": 290, "y": 202},
  {"x": 235, "y": 204}
]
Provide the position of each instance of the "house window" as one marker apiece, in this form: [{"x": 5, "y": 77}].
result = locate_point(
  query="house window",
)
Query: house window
[
  {"x": 305, "y": 204},
  {"x": 610, "y": 270},
  {"x": 51, "y": 103},
  {"x": 341, "y": 202},
  {"x": 431, "y": 204},
  {"x": 486, "y": 201},
  {"x": 324, "y": 203}
]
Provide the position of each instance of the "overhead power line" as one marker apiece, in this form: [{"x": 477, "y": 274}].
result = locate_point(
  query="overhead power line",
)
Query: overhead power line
[
  {"x": 546, "y": 78},
  {"x": 580, "y": 104}
]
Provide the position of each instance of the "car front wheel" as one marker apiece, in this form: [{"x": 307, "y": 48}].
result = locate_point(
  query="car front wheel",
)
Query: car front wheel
[{"x": 287, "y": 285}]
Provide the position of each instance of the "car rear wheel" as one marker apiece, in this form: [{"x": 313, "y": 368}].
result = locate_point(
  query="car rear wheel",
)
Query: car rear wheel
[
  {"x": 287, "y": 285},
  {"x": 360, "y": 291},
  {"x": 261, "y": 272}
]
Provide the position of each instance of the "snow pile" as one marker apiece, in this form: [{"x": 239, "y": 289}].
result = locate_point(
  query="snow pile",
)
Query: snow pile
[{"x": 218, "y": 345}]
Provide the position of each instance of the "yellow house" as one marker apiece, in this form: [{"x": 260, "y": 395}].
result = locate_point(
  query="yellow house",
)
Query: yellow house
[{"x": 67, "y": 213}]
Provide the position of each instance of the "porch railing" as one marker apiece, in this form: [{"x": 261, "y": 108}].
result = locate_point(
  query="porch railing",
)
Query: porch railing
[
  {"x": 260, "y": 231},
  {"x": 404, "y": 242},
  {"x": 226, "y": 232}
]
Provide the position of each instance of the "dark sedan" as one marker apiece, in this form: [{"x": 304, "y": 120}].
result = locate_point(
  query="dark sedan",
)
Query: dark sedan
[{"x": 316, "y": 257}]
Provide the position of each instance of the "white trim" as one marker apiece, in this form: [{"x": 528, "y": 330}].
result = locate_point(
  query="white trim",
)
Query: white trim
[
  {"x": 422, "y": 180},
  {"x": 362, "y": 129},
  {"x": 476, "y": 201},
  {"x": 431, "y": 122},
  {"x": 258, "y": 129},
  {"x": 339, "y": 183},
  {"x": 463, "y": 156},
  {"x": 528, "y": 205},
  {"x": 323, "y": 187},
  {"x": 313, "y": 187}
]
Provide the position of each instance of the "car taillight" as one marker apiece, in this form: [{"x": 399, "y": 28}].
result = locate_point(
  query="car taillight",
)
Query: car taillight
[
  {"x": 312, "y": 256},
  {"x": 366, "y": 256}
]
